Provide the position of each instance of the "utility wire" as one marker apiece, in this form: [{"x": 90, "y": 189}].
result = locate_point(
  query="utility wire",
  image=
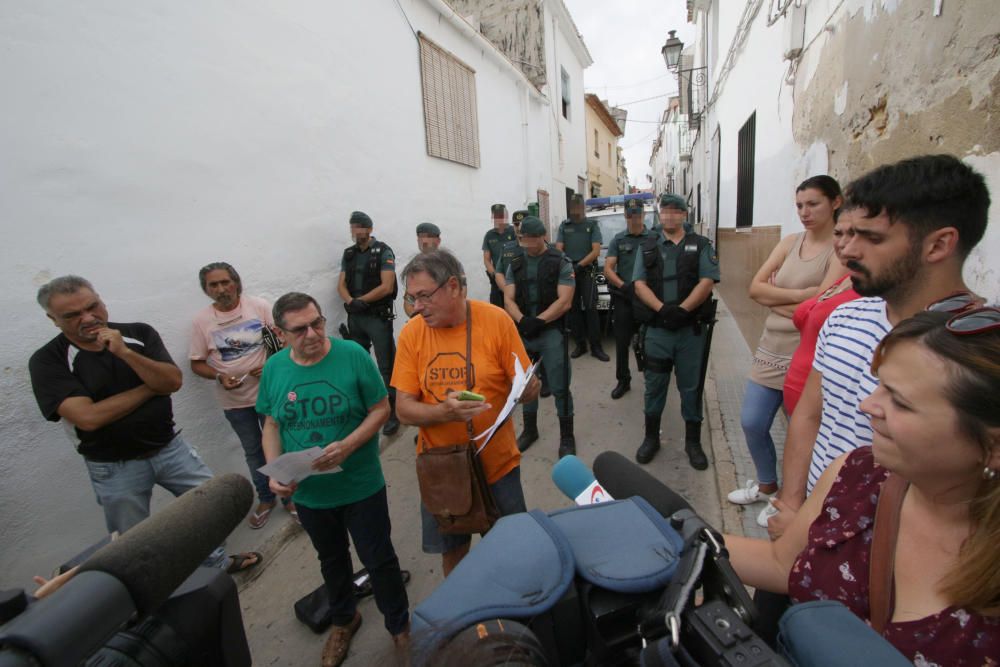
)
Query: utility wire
[{"x": 628, "y": 85}]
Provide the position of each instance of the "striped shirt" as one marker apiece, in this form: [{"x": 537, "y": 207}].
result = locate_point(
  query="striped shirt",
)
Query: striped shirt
[{"x": 844, "y": 353}]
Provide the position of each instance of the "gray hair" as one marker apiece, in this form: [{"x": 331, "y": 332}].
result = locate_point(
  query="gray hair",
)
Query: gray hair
[
  {"x": 61, "y": 285},
  {"x": 220, "y": 266},
  {"x": 289, "y": 302},
  {"x": 439, "y": 264}
]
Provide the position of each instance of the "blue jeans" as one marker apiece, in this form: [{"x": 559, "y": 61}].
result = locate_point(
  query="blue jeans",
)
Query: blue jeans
[
  {"x": 760, "y": 405},
  {"x": 123, "y": 488},
  {"x": 247, "y": 425},
  {"x": 367, "y": 521},
  {"x": 507, "y": 492}
]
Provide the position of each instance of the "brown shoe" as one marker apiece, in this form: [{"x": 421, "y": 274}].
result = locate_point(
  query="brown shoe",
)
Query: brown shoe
[{"x": 335, "y": 649}]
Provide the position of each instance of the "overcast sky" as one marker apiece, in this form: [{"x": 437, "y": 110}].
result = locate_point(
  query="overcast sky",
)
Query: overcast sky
[{"x": 624, "y": 39}]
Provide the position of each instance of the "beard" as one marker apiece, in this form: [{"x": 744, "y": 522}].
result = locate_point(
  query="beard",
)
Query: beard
[{"x": 898, "y": 278}]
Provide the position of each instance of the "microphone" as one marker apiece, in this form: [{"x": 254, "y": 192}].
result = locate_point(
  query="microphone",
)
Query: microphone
[
  {"x": 624, "y": 479},
  {"x": 576, "y": 482},
  {"x": 134, "y": 574}
]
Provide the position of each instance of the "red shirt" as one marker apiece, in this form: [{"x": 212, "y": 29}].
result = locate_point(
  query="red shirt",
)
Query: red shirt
[
  {"x": 834, "y": 566},
  {"x": 808, "y": 319}
]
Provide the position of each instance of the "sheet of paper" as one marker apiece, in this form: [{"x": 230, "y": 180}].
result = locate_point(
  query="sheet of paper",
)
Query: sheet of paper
[
  {"x": 295, "y": 466},
  {"x": 518, "y": 385}
]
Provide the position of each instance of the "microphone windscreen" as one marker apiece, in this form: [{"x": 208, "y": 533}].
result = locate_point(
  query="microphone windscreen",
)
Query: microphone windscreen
[
  {"x": 624, "y": 479},
  {"x": 572, "y": 476},
  {"x": 156, "y": 556}
]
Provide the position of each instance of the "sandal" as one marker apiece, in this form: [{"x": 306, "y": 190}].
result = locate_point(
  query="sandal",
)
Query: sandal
[
  {"x": 260, "y": 516},
  {"x": 243, "y": 562},
  {"x": 293, "y": 512}
]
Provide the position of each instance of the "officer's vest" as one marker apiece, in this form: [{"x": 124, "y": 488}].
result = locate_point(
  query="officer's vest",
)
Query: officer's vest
[
  {"x": 547, "y": 279},
  {"x": 373, "y": 274},
  {"x": 686, "y": 275},
  {"x": 586, "y": 227},
  {"x": 620, "y": 241}
]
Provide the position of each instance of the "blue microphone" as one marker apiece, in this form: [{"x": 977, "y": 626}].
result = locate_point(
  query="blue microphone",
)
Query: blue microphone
[{"x": 577, "y": 483}]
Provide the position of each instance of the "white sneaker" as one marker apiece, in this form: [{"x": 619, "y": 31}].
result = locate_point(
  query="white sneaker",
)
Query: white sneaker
[
  {"x": 766, "y": 513},
  {"x": 748, "y": 494}
]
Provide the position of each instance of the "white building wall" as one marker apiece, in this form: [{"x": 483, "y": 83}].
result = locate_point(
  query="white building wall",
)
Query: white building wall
[{"x": 142, "y": 142}]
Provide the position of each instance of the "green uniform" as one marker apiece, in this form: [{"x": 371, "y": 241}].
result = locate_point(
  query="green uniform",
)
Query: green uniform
[
  {"x": 681, "y": 349},
  {"x": 319, "y": 404},
  {"x": 374, "y": 327},
  {"x": 578, "y": 239},
  {"x": 625, "y": 248},
  {"x": 494, "y": 242},
  {"x": 549, "y": 345}
]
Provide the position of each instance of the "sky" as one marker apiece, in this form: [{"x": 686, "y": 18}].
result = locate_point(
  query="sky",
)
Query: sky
[{"x": 624, "y": 39}]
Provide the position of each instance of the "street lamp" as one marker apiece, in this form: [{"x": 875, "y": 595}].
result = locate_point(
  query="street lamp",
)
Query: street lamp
[{"x": 672, "y": 50}]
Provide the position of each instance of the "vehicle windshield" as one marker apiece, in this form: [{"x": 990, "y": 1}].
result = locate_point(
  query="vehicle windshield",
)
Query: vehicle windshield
[{"x": 614, "y": 223}]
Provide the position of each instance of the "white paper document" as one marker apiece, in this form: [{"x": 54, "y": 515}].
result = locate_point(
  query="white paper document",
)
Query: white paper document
[
  {"x": 295, "y": 466},
  {"x": 520, "y": 383}
]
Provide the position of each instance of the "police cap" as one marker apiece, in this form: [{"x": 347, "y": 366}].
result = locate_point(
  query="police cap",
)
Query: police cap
[
  {"x": 532, "y": 226},
  {"x": 673, "y": 201},
  {"x": 428, "y": 228},
  {"x": 361, "y": 219}
]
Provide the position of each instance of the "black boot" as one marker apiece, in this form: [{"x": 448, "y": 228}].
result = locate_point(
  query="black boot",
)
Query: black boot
[
  {"x": 579, "y": 350},
  {"x": 567, "y": 443},
  {"x": 621, "y": 388},
  {"x": 598, "y": 352},
  {"x": 392, "y": 425},
  {"x": 651, "y": 443},
  {"x": 692, "y": 446},
  {"x": 530, "y": 433}
]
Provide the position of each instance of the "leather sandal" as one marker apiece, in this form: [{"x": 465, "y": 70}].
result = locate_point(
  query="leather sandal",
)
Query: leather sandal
[
  {"x": 339, "y": 641},
  {"x": 260, "y": 515}
]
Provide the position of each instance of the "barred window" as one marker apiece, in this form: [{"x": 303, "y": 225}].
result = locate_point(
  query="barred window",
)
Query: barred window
[{"x": 450, "y": 115}]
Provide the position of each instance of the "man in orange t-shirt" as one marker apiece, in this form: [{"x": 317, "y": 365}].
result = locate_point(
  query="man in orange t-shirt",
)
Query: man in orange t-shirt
[{"x": 430, "y": 369}]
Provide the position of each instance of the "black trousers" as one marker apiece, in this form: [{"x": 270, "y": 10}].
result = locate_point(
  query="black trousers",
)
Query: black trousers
[
  {"x": 625, "y": 328},
  {"x": 583, "y": 321},
  {"x": 367, "y": 521},
  {"x": 496, "y": 294}
]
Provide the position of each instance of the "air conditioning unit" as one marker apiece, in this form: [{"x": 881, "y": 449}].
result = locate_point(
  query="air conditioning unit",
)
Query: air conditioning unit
[{"x": 795, "y": 28}]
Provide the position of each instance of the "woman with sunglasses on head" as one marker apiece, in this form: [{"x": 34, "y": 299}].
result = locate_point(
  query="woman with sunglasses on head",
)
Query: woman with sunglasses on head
[
  {"x": 800, "y": 267},
  {"x": 936, "y": 450}
]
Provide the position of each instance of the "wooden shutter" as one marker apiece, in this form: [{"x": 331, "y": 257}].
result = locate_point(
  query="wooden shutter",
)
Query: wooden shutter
[{"x": 450, "y": 114}]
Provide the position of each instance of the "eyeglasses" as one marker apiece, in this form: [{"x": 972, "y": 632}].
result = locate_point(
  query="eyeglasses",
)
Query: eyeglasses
[
  {"x": 423, "y": 299},
  {"x": 316, "y": 325},
  {"x": 976, "y": 321},
  {"x": 955, "y": 303}
]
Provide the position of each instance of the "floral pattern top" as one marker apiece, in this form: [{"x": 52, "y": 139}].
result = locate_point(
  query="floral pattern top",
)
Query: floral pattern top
[{"x": 834, "y": 566}]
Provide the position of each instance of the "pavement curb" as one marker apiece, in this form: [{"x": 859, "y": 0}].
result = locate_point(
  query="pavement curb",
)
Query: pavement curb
[{"x": 725, "y": 467}]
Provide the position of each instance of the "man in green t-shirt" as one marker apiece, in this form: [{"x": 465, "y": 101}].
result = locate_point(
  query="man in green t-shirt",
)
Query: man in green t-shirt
[{"x": 327, "y": 393}]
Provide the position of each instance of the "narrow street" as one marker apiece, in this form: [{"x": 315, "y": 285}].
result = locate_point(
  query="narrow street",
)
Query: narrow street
[{"x": 277, "y": 638}]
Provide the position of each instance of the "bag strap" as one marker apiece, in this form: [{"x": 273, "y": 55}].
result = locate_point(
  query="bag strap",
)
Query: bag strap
[
  {"x": 883, "y": 551},
  {"x": 468, "y": 360}
]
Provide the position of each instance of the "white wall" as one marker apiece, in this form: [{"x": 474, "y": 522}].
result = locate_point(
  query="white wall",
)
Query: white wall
[{"x": 141, "y": 141}]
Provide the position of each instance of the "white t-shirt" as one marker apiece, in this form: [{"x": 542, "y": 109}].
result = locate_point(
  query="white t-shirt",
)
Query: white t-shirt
[
  {"x": 844, "y": 353},
  {"x": 231, "y": 343}
]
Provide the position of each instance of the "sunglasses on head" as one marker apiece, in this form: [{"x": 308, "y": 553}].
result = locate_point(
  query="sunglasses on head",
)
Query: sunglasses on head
[
  {"x": 978, "y": 320},
  {"x": 956, "y": 303}
]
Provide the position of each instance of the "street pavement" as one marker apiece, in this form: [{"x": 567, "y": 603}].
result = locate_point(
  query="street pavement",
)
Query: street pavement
[{"x": 291, "y": 570}]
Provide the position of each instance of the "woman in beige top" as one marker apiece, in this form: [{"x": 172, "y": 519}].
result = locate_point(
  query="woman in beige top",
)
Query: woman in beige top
[{"x": 797, "y": 269}]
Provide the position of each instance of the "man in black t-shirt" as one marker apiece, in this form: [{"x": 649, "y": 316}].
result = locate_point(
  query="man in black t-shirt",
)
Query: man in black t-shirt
[{"x": 113, "y": 382}]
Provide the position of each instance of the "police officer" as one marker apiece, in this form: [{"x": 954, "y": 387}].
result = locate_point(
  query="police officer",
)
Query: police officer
[
  {"x": 509, "y": 250},
  {"x": 493, "y": 243},
  {"x": 428, "y": 240},
  {"x": 538, "y": 293},
  {"x": 368, "y": 287},
  {"x": 618, "y": 268},
  {"x": 580, "y": 239},
  {"x": 674, "y": 277}
]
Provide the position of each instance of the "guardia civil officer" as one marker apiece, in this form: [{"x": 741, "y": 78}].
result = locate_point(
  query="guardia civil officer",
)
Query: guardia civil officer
[
  {"x": 580, "y": 239},
  {"x": 538, "y": 292},
  {"x": 493, "y": 243},
  {"x": 618, "y": 269},
  {"x": 674, "y": 278},
  {"x": 368, "y": 287},
  {"x": 428, "y": 240}
]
